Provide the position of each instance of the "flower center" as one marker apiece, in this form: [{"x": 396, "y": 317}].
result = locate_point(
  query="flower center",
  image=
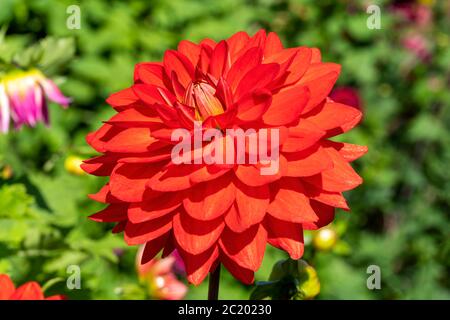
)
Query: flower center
[{"x": 201, "y": 96}]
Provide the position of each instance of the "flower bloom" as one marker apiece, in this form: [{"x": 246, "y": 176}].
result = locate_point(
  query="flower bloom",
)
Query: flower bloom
[
  {"x": 418, "y": 45},
  {"x": 159, "y": 275},
  {"x": 225, "y": 213},
  {"x": 414, "y": 13},
  {"x": 23, "y": 98},
  {"x": 346, "y": 95},
  {"x": 28, "y": 291}
]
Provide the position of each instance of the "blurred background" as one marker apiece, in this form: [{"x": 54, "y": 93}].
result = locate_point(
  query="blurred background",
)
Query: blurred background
[{"x": 398, "y": 75}]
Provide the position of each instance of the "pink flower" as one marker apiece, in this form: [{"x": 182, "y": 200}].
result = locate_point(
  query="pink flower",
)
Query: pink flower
[
  {"x": 159, "y": 276},
  {"x": 178, "y": 266},
  {"x": 413, "y": 13},
  {"x": 23, "y": 98},
  {"x": 418, "y": 45},
  {"x": 346, "y": 95}
]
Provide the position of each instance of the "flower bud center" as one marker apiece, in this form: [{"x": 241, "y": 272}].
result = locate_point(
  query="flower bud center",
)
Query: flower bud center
[{"x": 201, "y": 96}]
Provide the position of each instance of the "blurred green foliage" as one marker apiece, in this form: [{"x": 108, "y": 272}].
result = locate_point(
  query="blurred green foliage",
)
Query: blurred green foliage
[{"x": 400, "y": 215}]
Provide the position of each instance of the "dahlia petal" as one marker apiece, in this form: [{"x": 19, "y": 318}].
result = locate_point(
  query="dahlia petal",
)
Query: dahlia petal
[
  {"x": 246, "y": 248},
  {"x": 243, "y": 65},
  {"x": 308, "y": 162},
  {"x": 139, "y": 233},
  {"x": 273, "y": 44},
  {"x": 223, "y": 93},
  {"x": 253, "y": 105},
  {"x": 131, "y": 140},
  {"x": 348, "y": 151},
  {"x": 7, "y": 287},
  {"x": 41, "y": 106},
  {"x": 53, "y": 93},
  {"x": 251, "y": 204},
  {"x": 173, "y": 178},
  {"x": 169, "y": 115},
  {"x": 320, "y": 79},
  {"x": 282, "y": 56},
  {"x": 138, "y": 116},
  {"x": 294, "y": 62},
  {"x": 112, "y": 213},
  {"x": 257, "y": 41},
  {"x": 119, "y": 227},
  {"x": 316, "y": 56},
  {"x": 220, "y": 60},
  {"x": 233, "y": 220},
  {"x": 177, "y": 62},
  {"x": 151, "y": 94},
  {"x": 335, "y": 118},
  {"x": 100, "y": 137},
  {"x": 223, "y": 120},
  {"x": 104, "y": 195},
  {"x": 290, "y": 203},
  {"x": 152, "y": 247},
  {"x": 283, "y": 73},
  {"x": 340, "y": 178},
  {"x": 325, "y": 214},
  {"x": 269, "y": 141},
  {"x": 196, "y": 236},
  {"x": 164, "y": 135},
  {"x": 235, "y": 44},
  {"x": 153, "y": 156},
  {"x": 203, "y": 62},
  {"x": 244, "y": 275},
  {"x": 278, "y": 113},
  {"x": 154, "y": 208},
  {"x": 334, "y": 199},
  {"x": 209, "y": 200},
  {"x": 303, "y": 136},
  {"x": 299, "y": 66},
  {"x": 30, "y": 107},
  {"x": 207, "y": 173},
  {"x": 169, "y": 246},
  {"x": 149, "y": 73},
  {"x": 128, "y": 181},
  {"x": 190, "y": 50},
  {"x": 251, "y": 175},
  {"x": 18, "y": 114},
  {"x": 177, "y": 87},
  {"x": 198, "y": 266},
  {"x": 209, "y": 43},
  {"x": 256, "y": 78},
  {"x": 286, "y": 236},
  {"x": 123, "y": 98},
  {"x": 28, "y": 291},
  {"x": 100, "y": 166}
]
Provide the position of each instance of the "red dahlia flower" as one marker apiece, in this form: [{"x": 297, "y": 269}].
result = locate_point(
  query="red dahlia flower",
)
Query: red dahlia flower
[
  {"x": 28, "y": 291},
  {"x": 225, "y": 213}
]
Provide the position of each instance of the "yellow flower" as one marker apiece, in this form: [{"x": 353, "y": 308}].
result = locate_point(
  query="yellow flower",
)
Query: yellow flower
[
  {"x": 309, "y": 284},
  {"x": 73, "y": 165},
  {"x": 325, "y": 239}
]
